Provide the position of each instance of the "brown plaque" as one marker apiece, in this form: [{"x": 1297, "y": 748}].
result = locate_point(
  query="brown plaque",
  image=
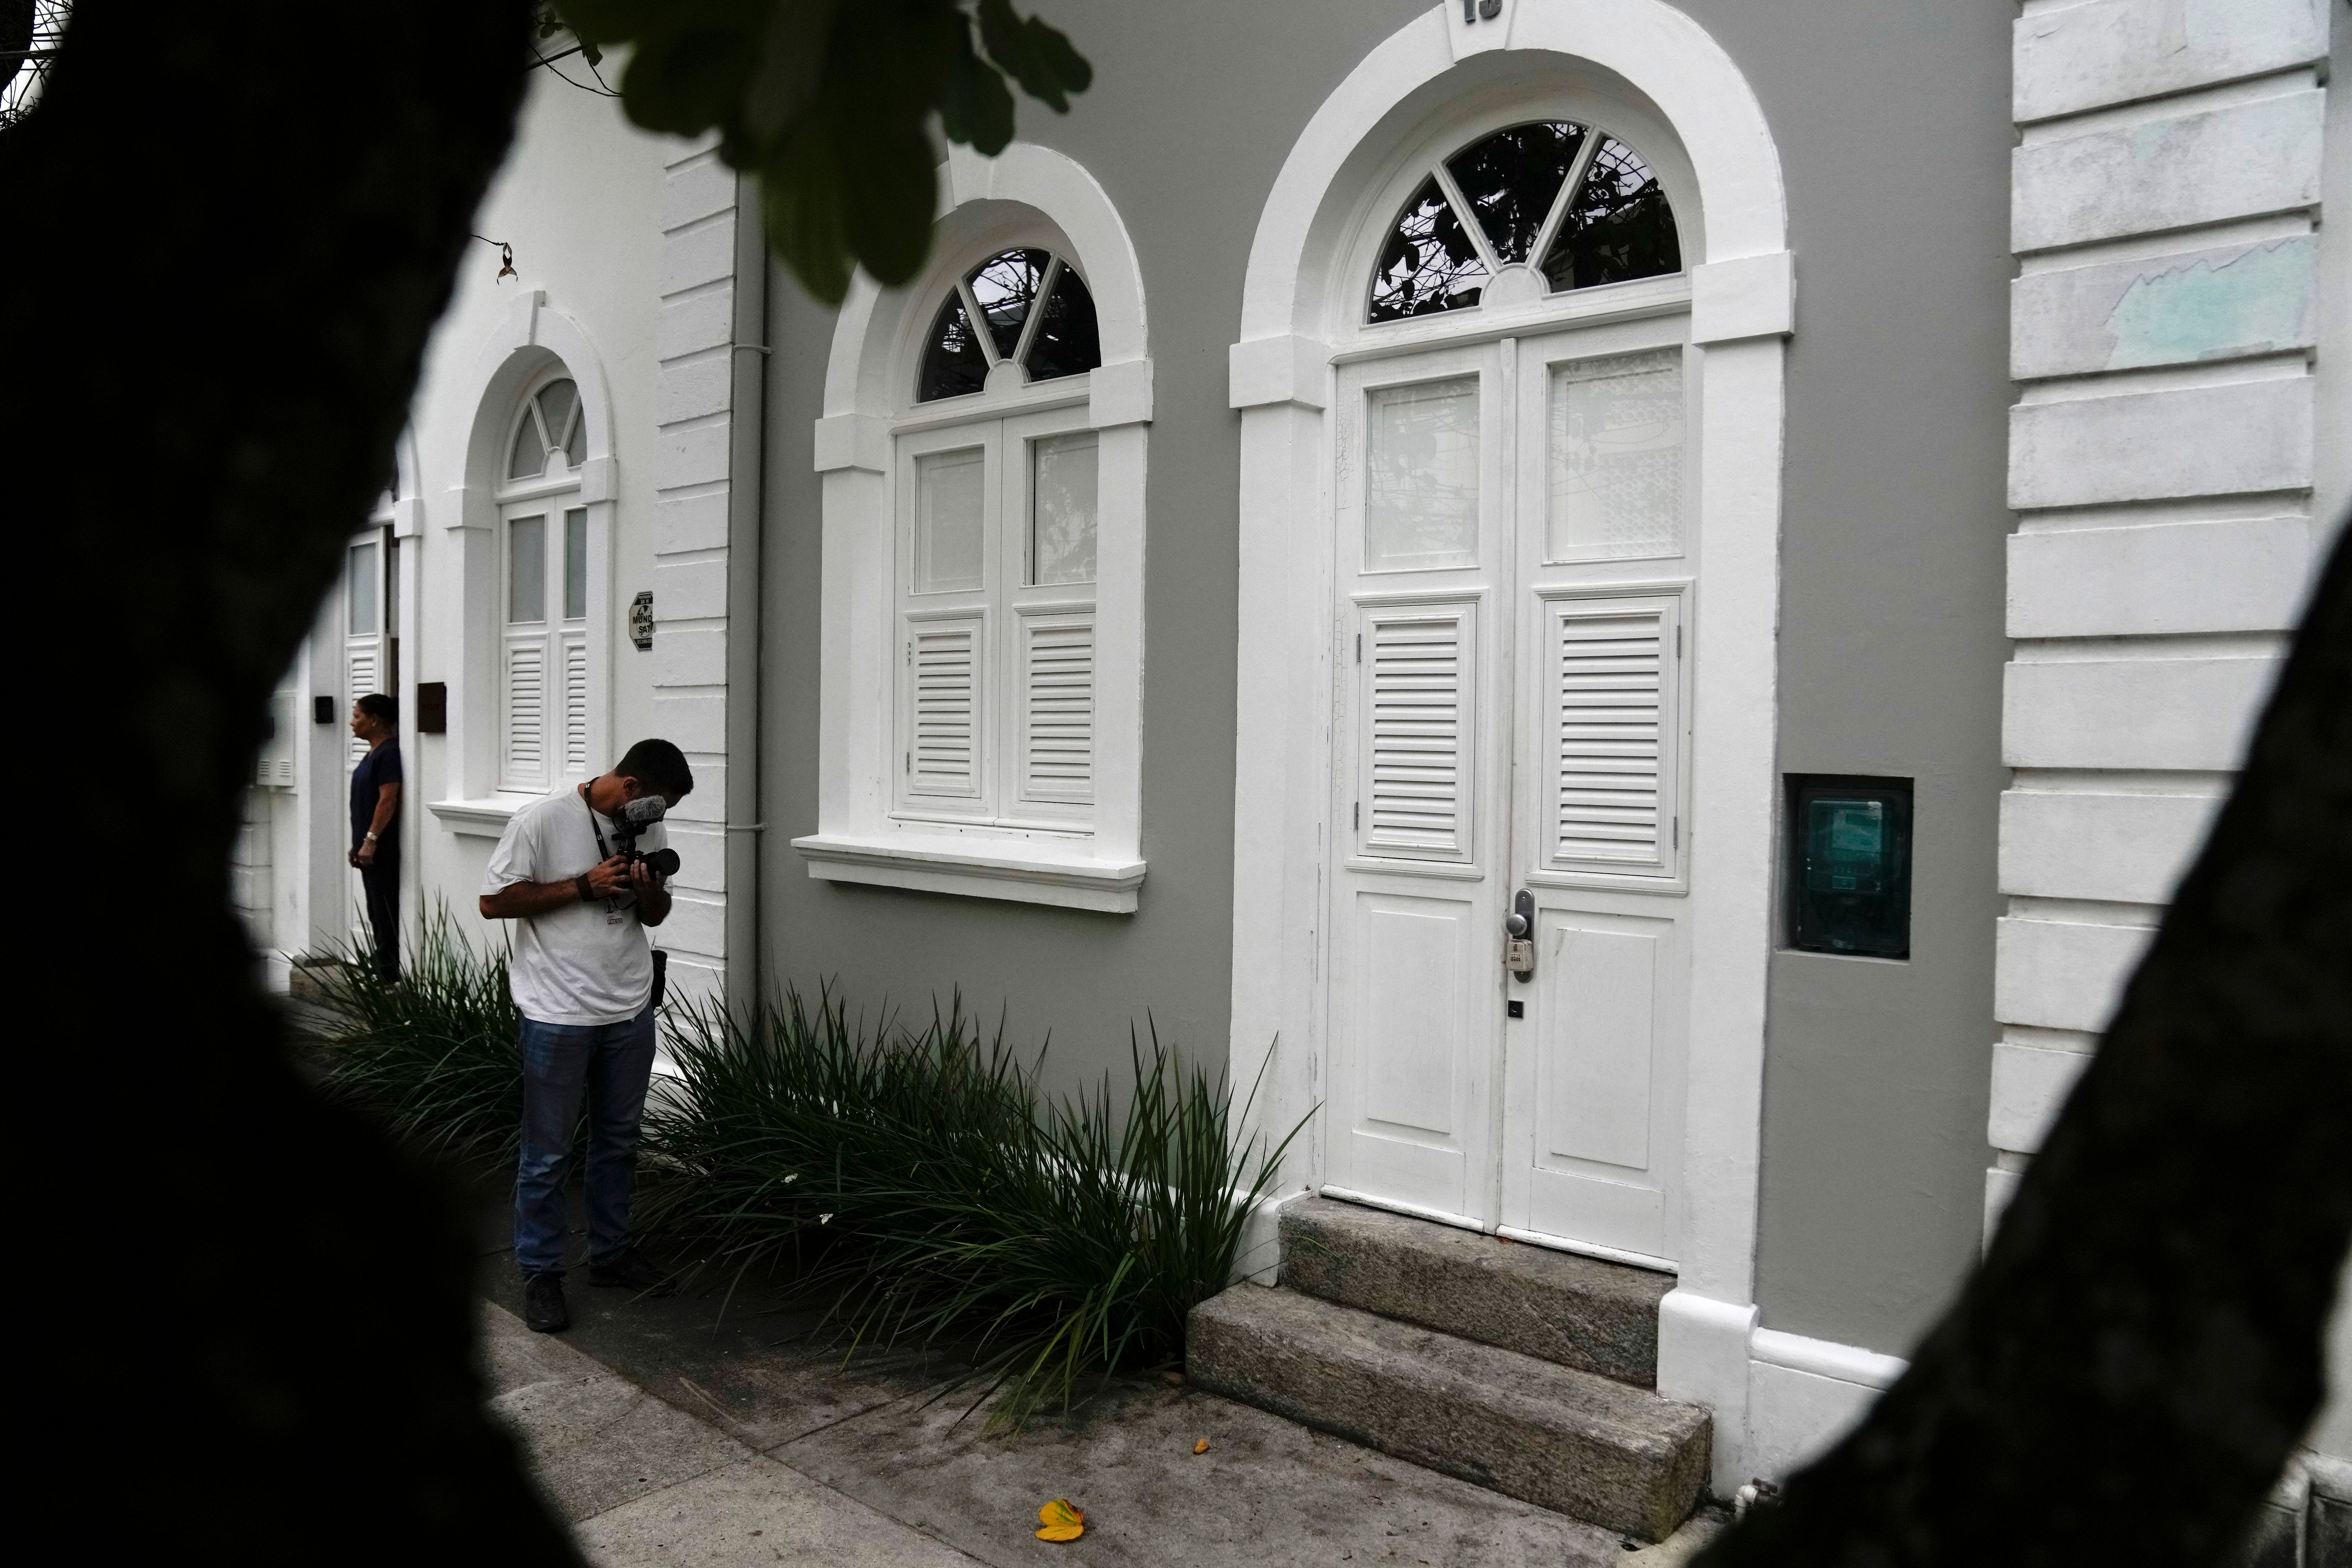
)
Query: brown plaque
[{"x": 432, "y": 707}]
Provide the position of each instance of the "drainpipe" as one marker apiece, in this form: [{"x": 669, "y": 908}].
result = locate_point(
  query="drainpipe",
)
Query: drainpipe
[{"x": 747, "y": 451}]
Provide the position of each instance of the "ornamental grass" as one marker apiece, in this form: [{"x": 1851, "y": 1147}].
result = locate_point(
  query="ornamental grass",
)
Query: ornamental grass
[
  {"x": 1055, "y": 1239},
  {"x": 434, "y": 1058}
]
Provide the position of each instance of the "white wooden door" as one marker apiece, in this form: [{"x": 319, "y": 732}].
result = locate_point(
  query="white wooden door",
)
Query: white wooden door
[{"x": 1516, "y": 729}]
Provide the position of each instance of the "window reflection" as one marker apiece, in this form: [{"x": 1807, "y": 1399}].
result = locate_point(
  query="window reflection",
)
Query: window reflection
[
  {"x": 1511, "y": 180},
  {"x": 955, "y": 364},
  {"x": 1066, "y": 343},
  {"x": 1618, "y": 226},
  {"x": 1429, "y": 263},
  {"x": 1005, "y": 287},
  {"x": 1421, "y": 476}
]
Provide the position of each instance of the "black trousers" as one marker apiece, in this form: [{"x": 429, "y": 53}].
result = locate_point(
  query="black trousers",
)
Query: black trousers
[{"x": 381, "y": 881}]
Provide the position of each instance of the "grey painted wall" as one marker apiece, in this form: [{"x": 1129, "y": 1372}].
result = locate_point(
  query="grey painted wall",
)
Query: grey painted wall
[
  {"x": 1193, "y": 108},
  {"x": 1893, "y": 127},
  {"x": 1892, "y": 122}
]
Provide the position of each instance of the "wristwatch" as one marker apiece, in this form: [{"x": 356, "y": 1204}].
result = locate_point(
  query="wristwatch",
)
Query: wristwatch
[
  {"x": 585, "y": 889},
  {"x": 371, "y": 838}
]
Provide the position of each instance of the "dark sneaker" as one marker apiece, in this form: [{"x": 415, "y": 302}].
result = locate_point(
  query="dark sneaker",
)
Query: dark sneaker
[
  {"x": 630, "y": 1271},
  {"x": 542, "y": 1304}
]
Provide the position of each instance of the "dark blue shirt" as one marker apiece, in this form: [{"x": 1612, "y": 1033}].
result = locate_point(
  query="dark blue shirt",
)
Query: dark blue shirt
[{"x": 378, "y": 768}]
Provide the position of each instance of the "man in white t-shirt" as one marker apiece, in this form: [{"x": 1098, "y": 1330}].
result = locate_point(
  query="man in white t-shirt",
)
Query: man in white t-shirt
[{"x": 582, "y": 975}]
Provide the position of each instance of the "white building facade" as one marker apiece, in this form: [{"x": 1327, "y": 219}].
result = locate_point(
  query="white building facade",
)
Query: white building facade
[{"x": 1270, "y": 548}]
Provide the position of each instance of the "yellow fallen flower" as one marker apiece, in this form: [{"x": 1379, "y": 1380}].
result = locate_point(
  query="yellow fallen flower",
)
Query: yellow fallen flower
[
  {"x": 1201, "y": 1447},
  {"x": 1062, "y": 1520}
]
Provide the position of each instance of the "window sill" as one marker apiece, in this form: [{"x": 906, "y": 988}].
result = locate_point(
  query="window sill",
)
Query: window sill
[
  {"x": 1021, "y": 872},
  {"x": 485, "y": 818}
]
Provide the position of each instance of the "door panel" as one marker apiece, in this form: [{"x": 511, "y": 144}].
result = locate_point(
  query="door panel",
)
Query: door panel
[
  {"x": 1512, "y": 583},
  {"x": 1412, "y": 1087}
]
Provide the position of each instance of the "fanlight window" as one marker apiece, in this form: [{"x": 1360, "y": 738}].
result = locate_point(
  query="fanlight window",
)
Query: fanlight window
[
  {"x": 1037, "y": 314},
  {"x": 550, "y": 423},
  {"x": 1575, "y": 205}
]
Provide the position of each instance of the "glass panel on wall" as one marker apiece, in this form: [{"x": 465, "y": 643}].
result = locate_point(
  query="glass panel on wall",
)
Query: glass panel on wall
[
  {"x": 529, "y": 458},
  {"x": 1617, "y": 225},
  {"x": 1421, "y": 476},
  {"x": 391, "y": 586},
  {"x": 1066, "y": 343},
  {"x": 559, "y": 407},
  {"x": 1005, "y": 287},
  {"x": 575, "y": 563},
  {"x": 955, "y": 364},
  {"x": 1511, "y": 180},
  {"x": 1429, "y": 263},
  {"x": 527, "y": 569},
  {"x": 361, "y": 589},
  {"x": 951, "y": 521},
  {"x": 1615, "y": 458},
  {"x": 1062, "y": 509}
]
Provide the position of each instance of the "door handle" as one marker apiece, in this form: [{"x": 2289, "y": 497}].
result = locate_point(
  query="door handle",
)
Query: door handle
[{"x": 1519, "y": 937}]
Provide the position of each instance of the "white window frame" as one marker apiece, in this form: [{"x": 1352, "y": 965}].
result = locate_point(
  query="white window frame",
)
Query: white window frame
[
  {"x": 568, "y": 751},
  {"x": 1078, "y": 854}
]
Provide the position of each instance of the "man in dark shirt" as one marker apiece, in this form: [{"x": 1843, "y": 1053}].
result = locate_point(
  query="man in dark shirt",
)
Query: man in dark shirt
[{"x": 375, "y": 825}]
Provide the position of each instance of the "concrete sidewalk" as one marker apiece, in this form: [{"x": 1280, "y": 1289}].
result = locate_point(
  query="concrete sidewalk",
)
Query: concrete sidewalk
[
  {"x": 677, "y": 1455},
  {"x": 643, "y": 1483}
]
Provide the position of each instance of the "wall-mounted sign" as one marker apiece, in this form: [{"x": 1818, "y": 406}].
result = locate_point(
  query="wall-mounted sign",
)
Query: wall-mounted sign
[
  {"x": 641, "y": 620},
  {"x": 1472, "y": 10}
]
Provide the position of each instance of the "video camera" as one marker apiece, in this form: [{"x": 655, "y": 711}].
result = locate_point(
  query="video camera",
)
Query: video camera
[{"x": 632, "y": 820}]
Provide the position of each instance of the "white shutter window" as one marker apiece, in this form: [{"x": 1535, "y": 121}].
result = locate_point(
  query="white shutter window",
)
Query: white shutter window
[
  {"x": 526, "y": 712},
  {"x": 575, "y": 706},
  {"x": 1418, "y": 684},
  {"x": 1612, "y": 673},
  {"x": 1058, "y": 708},
  {"x": 361, "y": 663},
  {"x": 943, "y": 660}
]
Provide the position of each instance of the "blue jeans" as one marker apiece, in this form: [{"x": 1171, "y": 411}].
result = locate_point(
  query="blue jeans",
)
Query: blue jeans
[{"x": 613, "y": 1063}]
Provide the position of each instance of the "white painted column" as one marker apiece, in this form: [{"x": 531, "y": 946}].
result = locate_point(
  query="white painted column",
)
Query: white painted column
[
  {"x": 2164, "y": 329},
  {"x": 703, "y": 429}
]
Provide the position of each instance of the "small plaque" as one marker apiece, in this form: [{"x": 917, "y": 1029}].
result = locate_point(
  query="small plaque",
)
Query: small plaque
[
  {"x": 641, "y": 620},
  {"x": 432, "y": 707}
]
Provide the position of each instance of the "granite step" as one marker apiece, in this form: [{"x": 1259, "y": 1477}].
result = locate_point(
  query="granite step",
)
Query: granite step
[
  {"x": 1563, "y": 1439},
  {"x": 1554, "y": 1306}
]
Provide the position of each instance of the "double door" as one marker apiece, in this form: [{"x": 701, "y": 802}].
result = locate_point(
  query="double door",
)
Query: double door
[{"x": 1508, "y": 941}]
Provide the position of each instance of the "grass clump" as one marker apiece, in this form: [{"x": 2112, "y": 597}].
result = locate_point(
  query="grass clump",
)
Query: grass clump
[
  {"x": 949, "y": 1197},
  {"x": 434, "y": 1058}
]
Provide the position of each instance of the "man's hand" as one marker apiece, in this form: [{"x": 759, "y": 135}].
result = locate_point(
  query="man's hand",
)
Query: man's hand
[
  {"x": 364, "y": 855},
  {"x": 610, "y": 876}
]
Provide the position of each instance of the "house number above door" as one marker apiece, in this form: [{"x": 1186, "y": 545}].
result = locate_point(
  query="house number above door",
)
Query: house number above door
[{"x": 1473, "y": 9}]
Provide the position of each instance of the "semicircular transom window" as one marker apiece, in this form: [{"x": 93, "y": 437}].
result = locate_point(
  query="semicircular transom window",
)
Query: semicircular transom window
[
  {"x": 1573, "y": 206},
  {"x": 1035, "y": 312},
  {"x": 550, "y": 423}
]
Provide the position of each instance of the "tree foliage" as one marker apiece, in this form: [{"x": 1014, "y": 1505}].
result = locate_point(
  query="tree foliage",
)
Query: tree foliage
[{"x": 830, "y": 106}]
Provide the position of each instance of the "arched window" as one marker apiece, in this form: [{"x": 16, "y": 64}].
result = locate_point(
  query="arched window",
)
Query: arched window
[
  {"x": 1039, "y": 317},
  {"x": 998, "y": 522},
  {"x": 545, "y": 685},
  {"x": 1570, "y": 202}
]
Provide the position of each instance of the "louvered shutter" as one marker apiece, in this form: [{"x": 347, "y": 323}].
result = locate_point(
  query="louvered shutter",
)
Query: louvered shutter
[
  {"x": 362, "y": 659},
  {"x": 1612, "y": 680},
  {"x": 526, "y": 713},
  {"x": 1057, "y": 713},
  {"x": 575, "y": 706},
  {"x": 943, "y": 744},
  {"x": 1419, "y": 716}
]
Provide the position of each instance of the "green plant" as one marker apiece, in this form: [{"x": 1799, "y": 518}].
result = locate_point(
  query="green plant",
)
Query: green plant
[
  {"x": 1068, "y": 1235},
  {"x": 435, "y": 1056}
]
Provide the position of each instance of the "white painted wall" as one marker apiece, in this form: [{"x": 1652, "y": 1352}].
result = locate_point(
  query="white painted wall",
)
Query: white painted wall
[{"x": 2167, "y": 329}]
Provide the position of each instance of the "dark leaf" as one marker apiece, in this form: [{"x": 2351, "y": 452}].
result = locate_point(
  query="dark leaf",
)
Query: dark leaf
[
  {"x": 802, "y": 209},
  {"x": 978, "y": 108},
  {"x": 792, "y": 62},
  {"x": 889, "y": 178},
  {"x": 686, "y": 82},
  {"x": 1038, "y": 57}
]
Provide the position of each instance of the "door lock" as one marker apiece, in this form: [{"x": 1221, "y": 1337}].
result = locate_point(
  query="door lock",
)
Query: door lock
[{"x": 1519, "y": 937}]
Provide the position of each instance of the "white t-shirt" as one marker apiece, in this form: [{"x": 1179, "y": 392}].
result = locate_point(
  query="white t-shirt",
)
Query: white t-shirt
[{"x": 582, "y": 963}]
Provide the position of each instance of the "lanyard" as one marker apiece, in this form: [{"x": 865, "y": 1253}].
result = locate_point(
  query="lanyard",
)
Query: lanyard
[{"x": 612, "y": 902}]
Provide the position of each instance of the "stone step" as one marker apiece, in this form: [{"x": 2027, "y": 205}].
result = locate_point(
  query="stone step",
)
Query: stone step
[
  {"x": 1554, "y": 1306},
  {"x": 1622, "y": 1458}
]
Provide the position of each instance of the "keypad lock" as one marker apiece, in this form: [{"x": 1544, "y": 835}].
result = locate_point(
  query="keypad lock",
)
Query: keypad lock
[{"x": 1519, "y": 937}]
